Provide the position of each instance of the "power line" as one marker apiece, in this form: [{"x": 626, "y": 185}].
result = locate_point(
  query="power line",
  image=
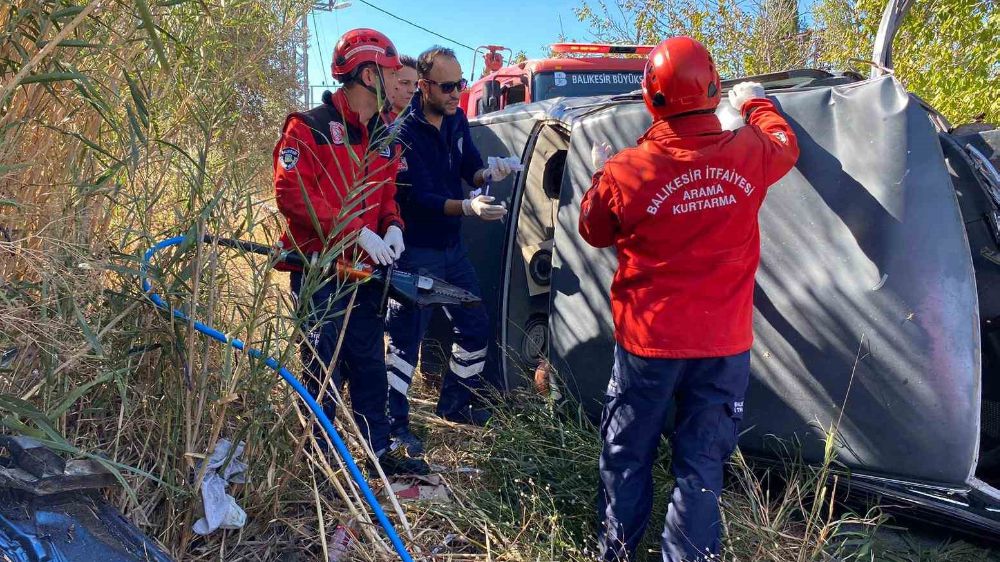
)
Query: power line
[
  {"x": 336, "y": 21},
  {"x": 404, "y": 20},
  {"x": 319, "y": 47}
]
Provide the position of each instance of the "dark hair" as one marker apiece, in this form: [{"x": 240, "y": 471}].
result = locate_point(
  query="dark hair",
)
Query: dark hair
[
  {"x": 407, "y": 60},
  {"x": 426, "y": 60},
  {"x": 355, "y": 75}
]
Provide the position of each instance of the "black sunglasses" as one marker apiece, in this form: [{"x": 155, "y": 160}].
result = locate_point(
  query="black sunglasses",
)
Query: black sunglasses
[{"x": 449, "y": 87}]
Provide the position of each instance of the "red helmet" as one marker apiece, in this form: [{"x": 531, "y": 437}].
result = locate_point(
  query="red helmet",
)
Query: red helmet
[
  {"x": 680, "y": 77},
  {"x": 362, "y": 45}
]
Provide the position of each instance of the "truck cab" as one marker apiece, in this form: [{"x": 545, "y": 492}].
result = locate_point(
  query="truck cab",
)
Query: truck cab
[{"x": 596, "y": 73}]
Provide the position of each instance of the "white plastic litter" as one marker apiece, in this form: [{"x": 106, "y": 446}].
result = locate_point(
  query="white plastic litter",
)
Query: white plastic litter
[{"x": 221, "y": 510}]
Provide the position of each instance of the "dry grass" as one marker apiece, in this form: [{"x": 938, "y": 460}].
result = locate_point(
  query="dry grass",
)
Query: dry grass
[{"x": 533, "y": 498}]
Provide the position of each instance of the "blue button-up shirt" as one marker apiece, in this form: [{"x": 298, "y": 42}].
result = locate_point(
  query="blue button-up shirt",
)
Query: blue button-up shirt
[{"x": 434, "y": 164}]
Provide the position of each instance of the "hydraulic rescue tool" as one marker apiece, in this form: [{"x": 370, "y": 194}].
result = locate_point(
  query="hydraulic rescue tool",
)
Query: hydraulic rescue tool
[{"x": 403, "y": 286}]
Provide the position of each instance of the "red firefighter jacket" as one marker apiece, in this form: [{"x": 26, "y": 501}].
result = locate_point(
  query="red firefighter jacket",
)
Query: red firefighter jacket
[
  {"x": 333, "y": 176},
  {"x": 681, "y": 209}
]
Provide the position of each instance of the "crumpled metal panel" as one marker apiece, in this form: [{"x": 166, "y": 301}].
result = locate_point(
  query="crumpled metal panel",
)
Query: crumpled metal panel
[
  {"x": 51, "y": 510},
  {"x": 72, "y": 527},
  {"x": 866, "y": 312}
]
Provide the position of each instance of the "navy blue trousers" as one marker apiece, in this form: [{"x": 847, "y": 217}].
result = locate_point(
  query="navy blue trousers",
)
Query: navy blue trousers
[
  {"x": 361, "y": 363},
  {"x": 708, "y": 394},
  {"x": 407, "y": 325}
]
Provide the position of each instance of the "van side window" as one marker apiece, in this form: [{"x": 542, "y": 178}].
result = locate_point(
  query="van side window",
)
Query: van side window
[{"x": 552, "y": 179}]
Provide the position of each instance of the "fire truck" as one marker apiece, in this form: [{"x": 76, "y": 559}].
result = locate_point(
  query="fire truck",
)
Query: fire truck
[{"x": 576, "y": 69}]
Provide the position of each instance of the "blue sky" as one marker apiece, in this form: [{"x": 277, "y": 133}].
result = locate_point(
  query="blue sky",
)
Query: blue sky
[{"x": 528, "y": 25}]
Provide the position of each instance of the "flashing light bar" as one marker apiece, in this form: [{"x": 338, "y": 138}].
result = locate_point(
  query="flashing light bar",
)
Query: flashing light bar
[{"x": 601, "y": 49}]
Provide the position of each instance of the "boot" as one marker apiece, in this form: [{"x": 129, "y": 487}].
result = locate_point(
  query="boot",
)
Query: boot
[
  {"x": 396, "y": 463},
  {"x": 469, "y": 416},
  {"x": 405, "y": 439}
]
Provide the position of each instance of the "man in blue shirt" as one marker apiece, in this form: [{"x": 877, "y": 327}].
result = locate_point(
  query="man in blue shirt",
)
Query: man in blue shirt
[{"x": 438, "y": 153}]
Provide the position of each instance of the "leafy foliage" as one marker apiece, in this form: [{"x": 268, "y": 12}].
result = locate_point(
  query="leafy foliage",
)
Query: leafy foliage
[{"x": 946, "y": 52}]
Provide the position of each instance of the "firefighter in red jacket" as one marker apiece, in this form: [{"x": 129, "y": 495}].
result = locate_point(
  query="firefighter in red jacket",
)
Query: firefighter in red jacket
[
  {"x": 681, "y": 210},
  {"x": 334, "y": 180}
]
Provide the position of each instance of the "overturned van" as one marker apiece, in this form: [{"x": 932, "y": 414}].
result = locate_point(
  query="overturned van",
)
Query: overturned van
[{"x": 877, "y": 298}]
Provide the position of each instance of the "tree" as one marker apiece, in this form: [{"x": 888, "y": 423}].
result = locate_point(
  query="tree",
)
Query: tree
[
  {"x": 745, "y": 39},
  {"x": 947, "y": 52}
]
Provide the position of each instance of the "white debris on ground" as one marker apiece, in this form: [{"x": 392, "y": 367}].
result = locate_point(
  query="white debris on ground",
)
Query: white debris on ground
[{"x": 221, "y": 510}]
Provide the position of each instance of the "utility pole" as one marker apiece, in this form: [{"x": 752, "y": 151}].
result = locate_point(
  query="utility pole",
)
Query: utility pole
[{"x": 326, "y": 6}]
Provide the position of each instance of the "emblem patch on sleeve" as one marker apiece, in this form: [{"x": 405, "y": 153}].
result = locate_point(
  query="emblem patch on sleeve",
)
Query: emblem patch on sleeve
[
  {"x": 288, "y": 157},
  {"x": 780, "y": 135},
  {"x": 337, "y": 132}
]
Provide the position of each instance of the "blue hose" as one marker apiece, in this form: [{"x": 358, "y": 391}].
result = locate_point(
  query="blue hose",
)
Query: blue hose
[{"x": 296, "y": 385}]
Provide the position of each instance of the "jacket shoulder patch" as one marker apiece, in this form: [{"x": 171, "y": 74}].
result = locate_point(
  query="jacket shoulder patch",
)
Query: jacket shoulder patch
[
  {"x": 337, "y": 132},
  {"x": 288, "y": 157}
]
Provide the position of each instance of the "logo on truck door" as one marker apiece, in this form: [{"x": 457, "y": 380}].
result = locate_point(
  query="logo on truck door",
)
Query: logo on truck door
[{"x": 601, "y": 78}]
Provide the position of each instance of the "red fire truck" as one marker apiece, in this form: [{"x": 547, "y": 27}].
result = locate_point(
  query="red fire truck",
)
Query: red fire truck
[{"x": 587, "y": 69}]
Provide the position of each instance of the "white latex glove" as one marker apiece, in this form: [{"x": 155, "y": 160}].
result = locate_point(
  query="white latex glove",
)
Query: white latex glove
[
  {"x": 394, "y": 238},
  {"x": 744, "y": 92},
  {"x": 600, "y": 153},
  {"x": 482, "y": 207},
  {"x": 498, "y": 168},
  {"x": 375, "y": 247}
]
